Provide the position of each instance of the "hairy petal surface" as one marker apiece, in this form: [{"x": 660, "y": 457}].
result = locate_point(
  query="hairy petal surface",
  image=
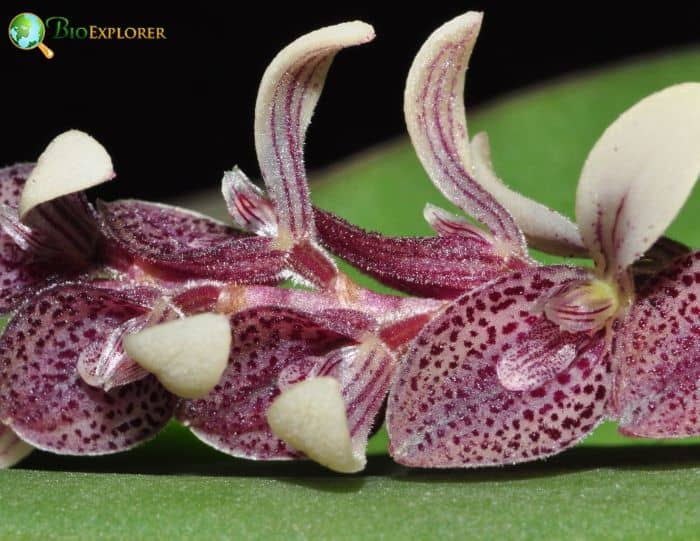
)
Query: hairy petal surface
[
  {"x": 439, "y": 267},
  {"x": 42, "y": 395},
  {"x": 448, "y": 407},
  {"x": 288, "y": 93},
  {"x": 179, "y": 244},
  {"x": 638, "y": 175},
  {"x": 436, "y": 121},
  {"x": 657, "y": 356}
]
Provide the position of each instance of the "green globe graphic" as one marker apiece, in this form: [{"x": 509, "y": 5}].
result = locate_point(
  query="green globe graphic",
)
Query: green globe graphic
[{"x": 26, "y": 31}]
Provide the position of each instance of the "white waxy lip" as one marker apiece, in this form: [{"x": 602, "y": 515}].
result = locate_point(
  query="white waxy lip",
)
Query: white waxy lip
[
  {"x": 188, "y": 356},
  {"x": 310, "y": 416},
  {"x": 72, "y": 162}
]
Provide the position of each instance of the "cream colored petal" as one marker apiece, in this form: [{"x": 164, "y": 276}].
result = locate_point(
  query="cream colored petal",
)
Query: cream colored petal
[
  {"x": 72, "y": 162},
  {"x": 638, "y": 175},
  {"x": 545, "y": 229},
  {"x": 310, "y": 416},
  {"x": 288, "y": 93},
  {"x": 436, "y": 122},
  {"x": 12, "y": 449},
  {"x": 188, "y": 356}
]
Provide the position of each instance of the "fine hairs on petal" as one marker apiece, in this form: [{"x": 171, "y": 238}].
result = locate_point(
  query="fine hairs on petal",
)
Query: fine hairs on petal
[{"x": 288, "y": 93}]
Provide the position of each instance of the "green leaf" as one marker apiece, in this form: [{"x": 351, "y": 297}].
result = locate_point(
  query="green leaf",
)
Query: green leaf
[{"x": 607, "y": 488}]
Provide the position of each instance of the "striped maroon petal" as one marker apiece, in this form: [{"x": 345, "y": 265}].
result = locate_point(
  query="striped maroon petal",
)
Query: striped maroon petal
[
  {"x": 176, "y": 244},
  {"x": 272, "y": 349},
  {"x": 66, "y": 226},
  {"x": 440, "y": 267},
  {"x": 288, "y": 93},
  {"x": 436, "y": 122},
  {"x": 447, "y": 406},
  {"x": 657, "y": 356},
  {"x": 250, "y": 209},
  {"x": 42, "y": 395},
  {"x": 30, "y": 261}
]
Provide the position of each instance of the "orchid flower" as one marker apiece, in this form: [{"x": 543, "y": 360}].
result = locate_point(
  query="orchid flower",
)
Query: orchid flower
[
  {"x": 309, "y": 370},
  {"x": 76, "y": 293},
  {"x": 529, "y": 363},
  {"x": 129, "y": 314}
]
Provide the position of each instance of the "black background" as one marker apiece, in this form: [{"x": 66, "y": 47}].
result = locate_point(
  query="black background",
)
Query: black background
[{"x": 174, "y": 114}]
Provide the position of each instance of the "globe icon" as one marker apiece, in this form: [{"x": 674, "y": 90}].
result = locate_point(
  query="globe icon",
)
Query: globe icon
[{"x": 27, "y": 32}]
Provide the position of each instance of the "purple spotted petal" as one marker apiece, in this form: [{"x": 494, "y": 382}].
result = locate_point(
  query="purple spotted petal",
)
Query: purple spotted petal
[
  {"x": 273, "y": 348},
  {"x": 657, "y": 356},
  {"x": 439, "y": 267},
  {"x": 289, "y": 90},
  {"x": 42, "y": 396},
  {"x": 177, "y": 244},
  {"x": 536, "y": 354},
  {"x": 12, "y": 179},
  {"x": 447, "y": 407}
]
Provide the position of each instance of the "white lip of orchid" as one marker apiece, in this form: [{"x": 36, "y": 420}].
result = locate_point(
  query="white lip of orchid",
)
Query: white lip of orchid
[
  {"x": 188, "y": 356},
  {"x": 73, "y": 161},
  {"x": 310, "y": 416},
  {"x": 637, "y": 177}
]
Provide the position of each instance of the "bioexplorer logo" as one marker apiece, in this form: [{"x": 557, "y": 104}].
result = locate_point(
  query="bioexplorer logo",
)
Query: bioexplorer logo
[{"x": 27, "y": 31}]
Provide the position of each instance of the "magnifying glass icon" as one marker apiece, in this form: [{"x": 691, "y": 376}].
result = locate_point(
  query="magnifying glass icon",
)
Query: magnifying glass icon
[{"x": 27, "y": 32}]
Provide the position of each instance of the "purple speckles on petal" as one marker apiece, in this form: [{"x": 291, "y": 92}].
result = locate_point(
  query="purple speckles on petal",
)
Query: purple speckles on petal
[
  {"x": 176, "y": 244},
  {"x": 447, "y": 406},
  {"x": 657, "y": 356},
  {"x": 42, "y": 396}
]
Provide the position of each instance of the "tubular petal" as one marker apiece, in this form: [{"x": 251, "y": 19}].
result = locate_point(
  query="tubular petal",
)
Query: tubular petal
[
  {"x": 42, "y": 396},
  {"x": 657, "y": 356},
  {"x": 638, "y": 176},
  {"x": 439, "y": 267},
  {"x": 436, "y": 121},
  {"x": 288, "y": 93},
  {"x": 545, "y": 229},
  {"x": 73, "y": 161},
  {"x": 447, "y": 407},
  {"x": 249, "y": 207},
  {"x": 12, "y": 448}
]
